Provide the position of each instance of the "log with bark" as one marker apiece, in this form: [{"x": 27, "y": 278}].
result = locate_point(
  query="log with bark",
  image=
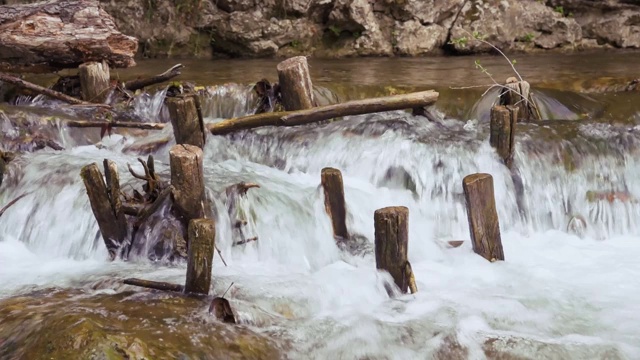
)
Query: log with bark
[
  {"x": 308, "y": 116},
  {"x": 60, "y": 34}
]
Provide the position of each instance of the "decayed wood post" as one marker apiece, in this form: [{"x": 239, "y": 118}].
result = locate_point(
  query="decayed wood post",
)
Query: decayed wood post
[
  {"x": 334, "y": 203},
  {"x": 483, "y": 217},
  {"x": 518, "y": 94},
  {"x": 94, "y": 81},
  {"x": 113, "y": 226},
  {"x": 187, "y": 179},
  {"x": 503, "y": 130},
  {"x": 295, "y": 84},
  {"x": 201, "y": 236},
  {"x": 391, "y": 243},
  {"x": 186, "y": 118}
]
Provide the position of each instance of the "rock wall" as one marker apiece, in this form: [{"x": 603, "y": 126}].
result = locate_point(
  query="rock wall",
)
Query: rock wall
[{"x": 338, "y": 28}]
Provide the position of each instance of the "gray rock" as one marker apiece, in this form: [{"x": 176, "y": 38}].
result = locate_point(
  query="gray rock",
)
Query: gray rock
[{"x": 413, "y": 38}]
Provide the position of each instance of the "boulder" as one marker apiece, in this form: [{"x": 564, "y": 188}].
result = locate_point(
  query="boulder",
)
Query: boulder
[
  {"x": 358, "y": 18},
  {"x": 413, "y": 38},
  {"x": 425, "y": 11}
]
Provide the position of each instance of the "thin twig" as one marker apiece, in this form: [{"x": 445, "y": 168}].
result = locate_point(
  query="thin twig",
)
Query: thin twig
[
  {"x": 220, "y": 253},
  {"x": 12, "y": 202},
  {"x": 498, "y": 50},
  {"x": 225, "y": 292}
]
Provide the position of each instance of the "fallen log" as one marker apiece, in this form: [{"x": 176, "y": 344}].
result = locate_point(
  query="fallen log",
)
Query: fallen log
[
  {"x": 137, "y": 84},
  {"x": 60, "y": 34},
  {"x": 41, "y": 90},
  {"x": 156, "y": 285},
  {"x": 308, "y": 116},
  {"x": 113, "y": 124}
]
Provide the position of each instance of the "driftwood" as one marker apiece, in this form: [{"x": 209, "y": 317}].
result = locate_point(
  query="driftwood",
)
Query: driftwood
[
  {"x": 391, "y": 243},
  {"x": 302, "y": 117},
  {"x": 61, "y": 34},
  {"x": 113, "y": 124},
  {"x": 334, "y": 204},
  {"x": 156, "y": 285},
  {"x": 41, "y": 90},
  {"x": 187, "y": 121},
  {"x": 202, "y": 234},
  {"x": 503, "y": 130},
  {"x": 295, "y": 84},
  {"x": 94, "y": 81},
  {"x": 11, "y": 203},
  {"x": 137, "y": 84},
  {"x": 483, "y": 217}
]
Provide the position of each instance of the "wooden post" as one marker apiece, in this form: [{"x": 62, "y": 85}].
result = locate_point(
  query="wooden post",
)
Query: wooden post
[
  {"x": 95, "y": 82},
  {"x": 518, "y": 93},
  {"x": 334, "y": 203},
  {"x": 503, "y": 129},
  {"x": 113, "y": 226},
  {"x": 202, "y": 234},
  {"x": 391, "y": 242},
  {"x": 186, "y": 118},
  {"x": 187, "y": 179},
  {"x": 295, "y": 84},
  {"x": 483, "y": 217}
]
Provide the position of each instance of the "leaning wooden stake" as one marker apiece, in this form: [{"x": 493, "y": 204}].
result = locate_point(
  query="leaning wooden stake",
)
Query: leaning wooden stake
[
  {"x": 295, "y": 84},
  {"x": 483, "y": 217},
  {"x": 320, "y": 113},
  {"x": 202, "y": 234},
  {"x": 186, "y": 118},
  {"x": 518, "y": 93},
  {"x": 334, "y": 203},
  {"x": 503, "y": 129},
  {"x": 391, "y": 243},
  {"x": 113, "y": 226},
  {"x": 187, "y": 179},
  {"x": 94, "y": 81}
]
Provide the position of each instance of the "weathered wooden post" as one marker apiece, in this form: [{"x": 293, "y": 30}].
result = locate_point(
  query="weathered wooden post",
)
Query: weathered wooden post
[
  {"x": 518, "y": 94},
  {"x": 187, "y": 179},
  {"x": 503, "y": 129},
  {"x": 187, "y": 121},
  {"x": 106, "y": 204},
  {"x": 295, "y": 84},
  {"x": 483, "y": 217},
  {"x": 201, "y": 236},
  {"x": 95, "y": 81},
  {"x": 334, "y": 204},
  {"x": 391, "y": 243}
]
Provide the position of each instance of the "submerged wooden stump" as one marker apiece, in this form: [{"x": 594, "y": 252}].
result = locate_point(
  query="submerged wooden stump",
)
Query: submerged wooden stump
[
  {"x": 187, "y": 121},
  {"x": 295, "y": 84},
  {"x": 95, "y": 81},
  {"x": 334, "y": 203},
  {"x": 187, "y": 179},
  {"x": 202, "y": 234},
  {"x": 112, "y": 223},
  {"x": 483, "y": 217},
  {"x": 391, "y": 242},
  {"x": 503, "y": 129},
  {"x": 518, "y": 94}
]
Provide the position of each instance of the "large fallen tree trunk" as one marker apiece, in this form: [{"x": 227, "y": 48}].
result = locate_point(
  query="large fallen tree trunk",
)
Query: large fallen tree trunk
[
  {"x": 60, "y": 34},
  {"x": 301, "y": 117}
]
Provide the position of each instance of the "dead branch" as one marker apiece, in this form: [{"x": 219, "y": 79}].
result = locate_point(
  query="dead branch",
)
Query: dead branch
[
  {"x": 113, "y": 124},
  {"x": 41, "y": 90},
  {"x": 12, "y": 202},
  {"x": 137, "y": 84}
]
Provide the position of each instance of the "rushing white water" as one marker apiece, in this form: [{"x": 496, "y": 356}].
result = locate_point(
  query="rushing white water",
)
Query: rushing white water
[{"x": 558, "y": 295}]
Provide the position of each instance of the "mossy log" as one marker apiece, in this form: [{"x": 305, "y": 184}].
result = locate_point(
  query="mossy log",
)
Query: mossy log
[
  {"x": 483, "y": 217},
  {"x": 503, "y": 130},
  {"x": 295, "y": 84},
  {"x": 187, "y": 179},
  {"x": 187, "y": 121},
  {"x": 201, "y": 235},
  {"x": 94, "y": 81},
  {"x": 331, "y": 180},
  {"x": 391, "y": 243},
  {"x": 60, "y": 34},
  {"x": 308, "y": 116}
]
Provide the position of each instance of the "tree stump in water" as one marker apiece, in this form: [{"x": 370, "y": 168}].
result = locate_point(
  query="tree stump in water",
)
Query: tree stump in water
[
  {"x": 187, "y": 121},
  {"x": 518, "y": 94},
  {"x": 103, "y": 197},
  {"x": 334, "y": 203},
  {"x": 94, "y": 81},
  {"x": 295, "y": 84},
  {"x": 503, "y": 129},
  {"x": 201, "y": 236},
  {"x": 483, "y": 217},
  {"x": 187, "y": 179},
  {"x": 391, "y": 242}
]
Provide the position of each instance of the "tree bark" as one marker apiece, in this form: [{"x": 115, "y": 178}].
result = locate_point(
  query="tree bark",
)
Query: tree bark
[
  {"x": 334, "y": 203},
  {"x": 202, "y": 234},
  {"x": 391, "y": 243},
  {"x": 301, "y": 117},
  {"x": 95, "y": 82},
  {"x": 187, "y": 121},
  {"x": 295, "y": 84},
  {"x": 187, "y": 179},
  {"x": 483, "y": 217},
  {"x": 503, "y": 130},
  {"x": 59, "y": 34}
]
